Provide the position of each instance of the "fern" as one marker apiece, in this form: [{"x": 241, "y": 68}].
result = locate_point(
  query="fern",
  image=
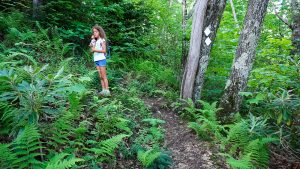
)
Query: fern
[
  {"x": 154, "y": 158},
  {"x": 237, "y": 136},
  {"x": 7, "y": 118},
  {"x": 199, "y": 129},
  {"x": 236, "y": 139},
  {"x": 7, "y": 158},
  {"x": 258, "y": 151},
  {"x": 153, "y": 122},
  {"x": 243, "y": 163},
  {"x": 209, "y": 110},
  {"x": 27, "y": 147},
  {"x": 61, "y": 129},
  {"x": 60, "y": 162},
  {"x": 206, "y": 122},
  {"x": 74, "y": 103},
  {"x": 189, "y": 111},
  {"x": 147, "y": 157},
  {"x": 122, "y": 124},
  {"x": 255, "y": 155},
  {"x": 107, "y": 147}
]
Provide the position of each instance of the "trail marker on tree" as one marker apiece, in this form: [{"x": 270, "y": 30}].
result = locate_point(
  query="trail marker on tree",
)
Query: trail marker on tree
[
  {"x": 207, "y": 31},
  {"x": 207, "y": 41}
]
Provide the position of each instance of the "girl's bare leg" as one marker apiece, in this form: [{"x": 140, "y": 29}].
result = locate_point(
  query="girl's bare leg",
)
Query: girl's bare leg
[
  {"x": 101, "y": 78},
  {"x": 104, "y": 77}
]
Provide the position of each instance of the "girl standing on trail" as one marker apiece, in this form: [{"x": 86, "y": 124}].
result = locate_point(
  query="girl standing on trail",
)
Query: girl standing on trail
[{"x": 98, "y": 47}]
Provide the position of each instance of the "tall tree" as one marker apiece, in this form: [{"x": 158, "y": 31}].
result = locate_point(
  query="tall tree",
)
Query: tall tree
[
  {"x": 194, "y": 51},
  {"x": 36, "y": 4},
  {"x": 244, "y": 57},
  {"x": 170, "y": 2},
  {"x": 295, "y": 6},
  {"x": 184, "y": 40},
  {"x": 214, "y": 12},
  {"x": 234, "y": 13}
]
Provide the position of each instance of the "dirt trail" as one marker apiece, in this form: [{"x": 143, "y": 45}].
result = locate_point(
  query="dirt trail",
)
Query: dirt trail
[{"x": 187, "y": 151}]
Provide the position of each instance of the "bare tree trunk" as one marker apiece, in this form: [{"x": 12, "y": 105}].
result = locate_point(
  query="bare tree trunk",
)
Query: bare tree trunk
[
  {"x": 36, "y": 4},
  {"x": 295, "y": 4},
  {"x": 189, "y": 75},
  {"x": 170, "y": 2},
  {"x": 214, "y": 11},
  {"x": 234, "y": 13},
  {"x": 184, "y": 40},
  {"x": 242, "y": 65}
]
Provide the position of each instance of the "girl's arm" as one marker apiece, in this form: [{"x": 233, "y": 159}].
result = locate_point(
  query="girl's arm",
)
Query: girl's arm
[{"x": 100, "y": 51}]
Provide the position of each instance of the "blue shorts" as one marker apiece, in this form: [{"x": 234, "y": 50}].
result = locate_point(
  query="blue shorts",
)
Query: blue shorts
[{"x": 100, "y": 62}]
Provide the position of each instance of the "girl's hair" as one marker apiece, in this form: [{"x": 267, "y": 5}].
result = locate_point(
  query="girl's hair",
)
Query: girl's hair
[{"x": 101, "y": 31}]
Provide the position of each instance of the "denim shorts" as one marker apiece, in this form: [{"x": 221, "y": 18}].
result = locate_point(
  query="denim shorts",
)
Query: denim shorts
[{"x": 100, "y": 62}]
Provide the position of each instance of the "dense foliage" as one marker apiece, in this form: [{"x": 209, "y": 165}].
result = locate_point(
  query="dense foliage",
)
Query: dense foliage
[{"x": 50, "y": 116}]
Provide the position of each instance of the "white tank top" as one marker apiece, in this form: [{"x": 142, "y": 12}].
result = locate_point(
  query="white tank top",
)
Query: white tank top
[{"x": 98, "y": 46}]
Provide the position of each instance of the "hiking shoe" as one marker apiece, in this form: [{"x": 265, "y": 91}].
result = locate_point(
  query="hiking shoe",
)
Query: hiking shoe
[
  {"x": 102, "y": 93},
  {"x": 106, "y": 92}
]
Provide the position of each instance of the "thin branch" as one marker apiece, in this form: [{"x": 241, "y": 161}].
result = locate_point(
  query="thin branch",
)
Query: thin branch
[
  {"x": 190, "y": 14},
  {"x": 285, "y": 21},
  {"x": 234, "y": 13}
]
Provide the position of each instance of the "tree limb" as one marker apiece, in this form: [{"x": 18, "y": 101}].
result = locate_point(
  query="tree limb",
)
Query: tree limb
[
  {"x": 285, "y": 21},
  {"x": 190, "y": 14}
]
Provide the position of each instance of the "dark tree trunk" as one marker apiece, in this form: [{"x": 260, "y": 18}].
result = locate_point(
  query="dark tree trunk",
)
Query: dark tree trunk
[
  {"x": 242, "y": 65},
  {"x": 295, "y": 4},
  {"x": 214, "y": 12}
]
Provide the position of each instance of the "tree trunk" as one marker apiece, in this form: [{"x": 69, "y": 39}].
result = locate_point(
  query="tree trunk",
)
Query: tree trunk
[
  {"x": 36, "y": 4},
  {"x": 242, "y": 65},
  {"x": 170, "y": 2},
  {"x": 234, "y": 13},
  {"x": 184, "y": 40},
  {"x": 295, "y": 4},
  {"x": 214, "y": 11},
  {"x": 189, "y": 75}
]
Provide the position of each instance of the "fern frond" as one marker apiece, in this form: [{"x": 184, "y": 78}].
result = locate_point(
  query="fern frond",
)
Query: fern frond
[
  {"x": 154, "y": 158},
  {"x": 107, "y": 147},
  {"x": 258, "y": 151},
  {"x": 154, "y": 122},
  {"x": 62, "y": 128},
  {"x": 7, "y": 118},
  {"x": 27, "y": 147},
  {"x": 60, "y": 162},
  {"x": 209, "y": 110},
  {"x": 238, "y": 135},
  {"x": 7, "y": 157},
  {"x": 123, "y": 125},
  {"x": 147, "y": 157},
  {"x": 243, "y": 163},
  {"x": 199, "y": 129}
]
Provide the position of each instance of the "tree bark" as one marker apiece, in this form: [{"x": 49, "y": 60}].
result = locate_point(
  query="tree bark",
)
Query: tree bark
[
  {"x": 234, "y": 13},
  {"x": 36, "y": 4},
  {"x": 242, "y": 65},
  {"x": 184, "y": 40},
  {"x": 214, "y": 12},
  {"x": 295, "y": 5},
  {"x": 170, "y": 2},
  {"x": 189, "y": 75}
]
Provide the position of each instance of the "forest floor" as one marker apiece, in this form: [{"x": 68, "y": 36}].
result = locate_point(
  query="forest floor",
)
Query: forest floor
[{"x": 187, "y": 151}]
